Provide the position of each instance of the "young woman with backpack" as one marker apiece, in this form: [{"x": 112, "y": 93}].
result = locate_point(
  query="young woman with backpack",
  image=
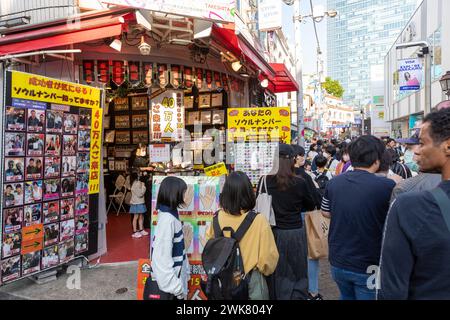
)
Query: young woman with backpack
[
  {"x": 169, "y": 263},
  {"x": 257, "y": 246},
  {"x": 290, "y": 197}
]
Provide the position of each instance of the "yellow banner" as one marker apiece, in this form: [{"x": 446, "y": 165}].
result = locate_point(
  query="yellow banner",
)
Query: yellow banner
[
  {"x": 34, "y": 87},
  {"x": 216, "y": 170},
  {"x": 253, "y": 124},
  {"x": 95, "y": 154}
]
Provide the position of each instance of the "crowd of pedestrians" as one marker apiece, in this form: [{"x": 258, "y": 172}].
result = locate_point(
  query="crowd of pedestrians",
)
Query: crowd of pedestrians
[{"x": 389, "y": 208}]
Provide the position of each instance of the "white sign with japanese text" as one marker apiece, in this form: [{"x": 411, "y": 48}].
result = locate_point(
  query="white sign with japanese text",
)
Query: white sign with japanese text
[
  {"x": 167, "y": 116},
  {"x": 270, "y": 15}
]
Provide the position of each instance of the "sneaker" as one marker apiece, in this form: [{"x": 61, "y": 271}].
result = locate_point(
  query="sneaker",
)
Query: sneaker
[
  {"x": 136, "y": 235},
  {"x": 317, "y": 297},
  {"x": 144, "y": 233}
]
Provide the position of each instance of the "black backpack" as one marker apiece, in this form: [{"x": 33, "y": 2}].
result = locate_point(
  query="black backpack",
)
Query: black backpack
[
  {"x": 222, "y": 261},
  {"x": 322, "y": 180}
]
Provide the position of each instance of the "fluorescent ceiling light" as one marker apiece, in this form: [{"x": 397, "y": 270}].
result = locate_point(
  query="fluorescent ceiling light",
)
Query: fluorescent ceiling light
[{"x": 236, "y": 66}]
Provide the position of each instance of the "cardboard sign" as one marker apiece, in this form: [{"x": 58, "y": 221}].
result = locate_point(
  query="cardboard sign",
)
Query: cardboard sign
[
  {"x": 32, "y": 246},
  {"x": 216, "y": 170},
  {"x": 34, "y": 232}
]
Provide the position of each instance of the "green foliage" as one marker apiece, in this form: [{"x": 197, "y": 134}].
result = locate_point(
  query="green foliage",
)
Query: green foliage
[{"x": 333, "y": 87}]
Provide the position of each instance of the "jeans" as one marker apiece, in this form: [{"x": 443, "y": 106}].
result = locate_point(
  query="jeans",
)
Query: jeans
[
  {"x": 352, "y": 285},
  {"x": 313, "y": 271}
]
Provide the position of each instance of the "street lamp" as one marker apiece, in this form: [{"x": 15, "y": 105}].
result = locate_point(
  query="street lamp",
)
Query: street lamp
[
  {"x": 318, "y": 16},
  {"x": 445, "y": 84}
]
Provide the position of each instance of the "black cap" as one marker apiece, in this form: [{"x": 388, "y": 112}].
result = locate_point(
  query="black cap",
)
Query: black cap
[
  {"x": 298, "y": 150},
  {"x": 285, "y": 150}
]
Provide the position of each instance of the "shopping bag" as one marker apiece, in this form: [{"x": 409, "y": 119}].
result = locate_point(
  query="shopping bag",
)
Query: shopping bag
[
  {"x": 317, "y": 227},
  {"x": 264, "y": 203}
]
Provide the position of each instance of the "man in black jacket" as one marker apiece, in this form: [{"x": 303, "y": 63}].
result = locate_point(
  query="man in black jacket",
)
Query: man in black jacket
[{"x": 415, "y": 255}]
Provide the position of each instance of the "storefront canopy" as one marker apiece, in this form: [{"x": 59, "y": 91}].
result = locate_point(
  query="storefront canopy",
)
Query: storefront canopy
[
  {"x": 87, "y": 27},
  {"x": 237, "y": 45},
  {"x": 283, "y": 80}
]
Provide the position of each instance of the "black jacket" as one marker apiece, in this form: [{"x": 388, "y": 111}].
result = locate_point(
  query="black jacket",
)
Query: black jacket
[{"x": 415, "y": 255}]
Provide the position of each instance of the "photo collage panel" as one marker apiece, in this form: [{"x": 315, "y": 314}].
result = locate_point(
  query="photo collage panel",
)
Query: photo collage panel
[{"x": 45, "y": 181}]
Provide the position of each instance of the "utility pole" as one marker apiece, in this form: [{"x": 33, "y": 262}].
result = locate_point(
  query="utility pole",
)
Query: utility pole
[{"x": 298, "y": 76}]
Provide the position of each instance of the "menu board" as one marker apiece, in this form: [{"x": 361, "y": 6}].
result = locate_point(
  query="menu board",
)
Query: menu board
[
  {"x": 202, "y": 201},
  {"x": 49, "y": 170}
]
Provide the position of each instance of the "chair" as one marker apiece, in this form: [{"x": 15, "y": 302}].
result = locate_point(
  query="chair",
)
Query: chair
[{"x": 118, "y": 195}]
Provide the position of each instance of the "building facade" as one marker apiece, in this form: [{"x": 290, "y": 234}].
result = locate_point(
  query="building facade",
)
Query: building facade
[
  {"x": 429, "y": 23},
  {"x": 359, "y": 38}
]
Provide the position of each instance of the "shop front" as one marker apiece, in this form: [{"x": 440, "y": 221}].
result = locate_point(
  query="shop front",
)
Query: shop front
[{"x": 166, "y": 101}]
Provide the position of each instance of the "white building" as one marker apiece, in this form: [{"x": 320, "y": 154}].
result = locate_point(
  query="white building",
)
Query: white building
[{"x": 429, "y": 23}]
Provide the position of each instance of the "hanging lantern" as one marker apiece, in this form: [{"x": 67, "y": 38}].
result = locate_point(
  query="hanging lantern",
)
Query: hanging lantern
[
  {"x": 103, "y": 71},
  {"x": 118, "y": 73},
  {"x": 188, "y": 77},
  {"x": 225, "y": 81},
  {"x": 217, "y": 80},
  {"x": 148, "y": 73},
  {"x": 162, "y": 75},
  {"x": 199, "y": 77},
  {"x": 175, "y": 76},
  {"x": 88, "y": 71},
  {"x": 209, "y": 79},
  {"x": 133, "y": 72}
]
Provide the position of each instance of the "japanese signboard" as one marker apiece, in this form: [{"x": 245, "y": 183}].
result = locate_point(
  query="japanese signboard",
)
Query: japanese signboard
[
  {"x": 253, "y": 124},
  {"x": 217, "y": 10},
  {"x": 410, "y": 74},
  {"x": 167, "y": 116},
  {"x": 270, "y": 15},
  {"x": 216, "y": 170},
  {"x": 50, "y": 168},
  {"x": 33, "y": 87},
  {"x": 202, "y": 201}
]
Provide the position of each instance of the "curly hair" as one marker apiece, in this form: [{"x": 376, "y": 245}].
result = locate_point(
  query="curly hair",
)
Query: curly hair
[{"x": 439, "y": 125}]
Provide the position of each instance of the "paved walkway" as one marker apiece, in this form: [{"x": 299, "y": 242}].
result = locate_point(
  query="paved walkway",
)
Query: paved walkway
[{"x": 110, "y": 282}]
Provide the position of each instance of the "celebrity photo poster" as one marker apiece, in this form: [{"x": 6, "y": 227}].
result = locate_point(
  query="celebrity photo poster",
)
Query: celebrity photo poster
[
  {"x": 67, "y": 209},
  {"x": 10, "y": 269},
  {"x": 35, "y": 144},
  {"x": 32, "y": 214},
  {"x": 15, "y": 144},
  {"x": 36, "y": 120},
  {"x": 34, "y": 168},
  {"x": 82, "y": 204},
  {"x": 51, "y": 211},
  {"x": 33, "y": 191},
  {"x": 15, "y": 119},
  {"x": 50, "y": 257},
  {"x": 13, "y": 194},
  {"x": 11, "y": 245},
  {"x": 12, "y": 219},
  {"x": 51, "y": 234},
  {"x": 31, "y": 262},
  {"x": 52, "y": 189},
  {"x": 14, "y": 169},
  {"x": 66, "y": 250}
]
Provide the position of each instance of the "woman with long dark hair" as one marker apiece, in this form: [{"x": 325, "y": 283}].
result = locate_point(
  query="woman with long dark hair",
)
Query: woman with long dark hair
[{"x": 290, "y": 197}]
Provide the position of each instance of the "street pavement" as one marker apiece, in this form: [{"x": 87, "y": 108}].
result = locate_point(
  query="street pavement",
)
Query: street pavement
[{"x": 111, "y": 282}]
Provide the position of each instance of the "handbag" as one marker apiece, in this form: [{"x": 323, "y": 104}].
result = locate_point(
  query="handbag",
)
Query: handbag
[
  {"x": 257, "y": 286},
  {"x": 264, "y": 203},
  {"x": 317, "y": 227},
  {"x": 152, "y": 291}
]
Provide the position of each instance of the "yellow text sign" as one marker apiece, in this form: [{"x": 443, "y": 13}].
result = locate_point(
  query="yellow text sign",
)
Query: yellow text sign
[
  {"x": 95, "y": 154},
  {"x": 259, "y": 124},
  {"x": 34, "y": 87},
  {"x": 216, "y": 170}
]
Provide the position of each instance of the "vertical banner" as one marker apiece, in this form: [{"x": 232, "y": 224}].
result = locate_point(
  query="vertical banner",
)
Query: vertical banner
[
  {"x": 410, "y": 74},
  {"x": 51, "y": 160},
  {"x": 167, "y": 120},
  {"x": 95, "y": 156}
]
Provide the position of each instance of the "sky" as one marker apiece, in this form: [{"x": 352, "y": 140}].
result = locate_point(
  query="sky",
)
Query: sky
[{"x": 309, "y": 38}]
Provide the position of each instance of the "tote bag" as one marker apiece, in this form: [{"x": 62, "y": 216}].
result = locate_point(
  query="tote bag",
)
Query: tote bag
[
  {"x": 317, "y": 227},
  {"x": 264, "y": 203}
]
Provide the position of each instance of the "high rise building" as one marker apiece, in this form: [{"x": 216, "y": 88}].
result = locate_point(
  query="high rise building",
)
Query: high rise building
[{"x": 359, "y": 38}]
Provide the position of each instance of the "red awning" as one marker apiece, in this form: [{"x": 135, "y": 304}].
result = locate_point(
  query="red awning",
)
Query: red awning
[
  {"x": 237, "y": 45},
  {"x": 283, "y": 80},
  {"x": 60, "y": 33}
]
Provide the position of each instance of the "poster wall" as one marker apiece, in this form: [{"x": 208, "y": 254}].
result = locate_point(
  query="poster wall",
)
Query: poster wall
[
  {"x": 202, "y": 201},
  {"x": 50, "y": 166},
  {"x": 256, "y": 124}
]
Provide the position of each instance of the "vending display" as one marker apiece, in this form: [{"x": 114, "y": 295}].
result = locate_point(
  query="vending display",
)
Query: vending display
[{"x": 48, "y": 149}]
